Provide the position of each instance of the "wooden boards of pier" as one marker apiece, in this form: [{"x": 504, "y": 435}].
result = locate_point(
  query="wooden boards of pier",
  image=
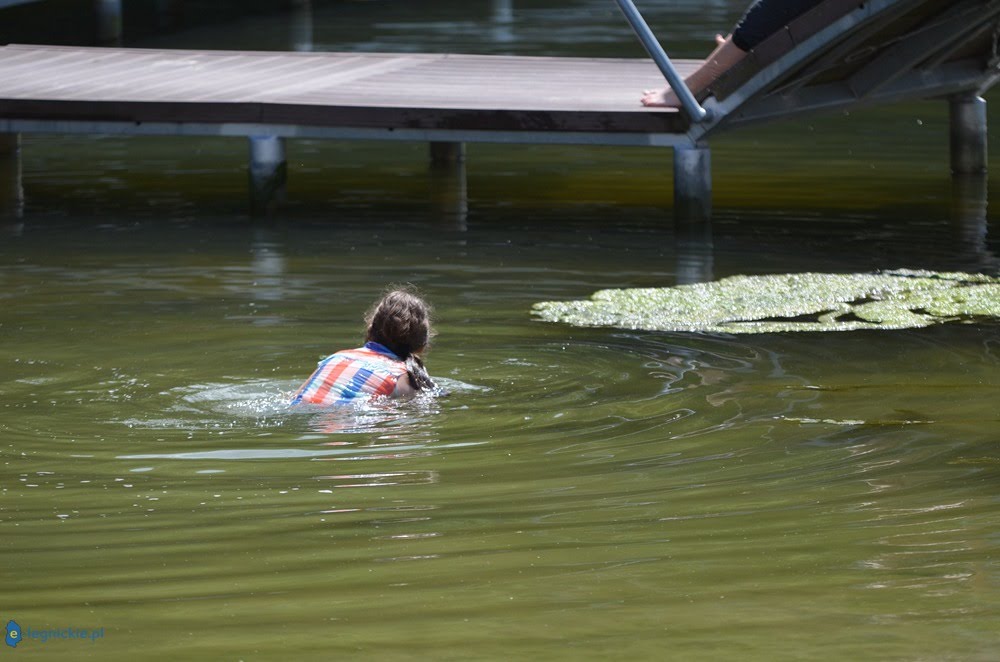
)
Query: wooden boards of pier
[{"x": 467, "y": 97}]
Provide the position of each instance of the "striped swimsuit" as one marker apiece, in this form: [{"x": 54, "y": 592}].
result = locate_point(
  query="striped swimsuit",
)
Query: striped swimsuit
[{"x": 352, "y": 373}]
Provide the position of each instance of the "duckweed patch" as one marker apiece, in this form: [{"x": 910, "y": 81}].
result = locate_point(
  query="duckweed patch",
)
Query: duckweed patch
[{"x": 899, "y": 299}]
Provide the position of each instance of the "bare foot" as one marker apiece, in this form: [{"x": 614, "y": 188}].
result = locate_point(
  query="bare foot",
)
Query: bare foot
[
  {"x": 663, "y": 98},
  {"x": 725, "y": 55}
]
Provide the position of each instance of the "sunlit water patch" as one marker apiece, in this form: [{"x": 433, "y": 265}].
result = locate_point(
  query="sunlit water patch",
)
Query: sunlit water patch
[{"x": 267, "y": 404}]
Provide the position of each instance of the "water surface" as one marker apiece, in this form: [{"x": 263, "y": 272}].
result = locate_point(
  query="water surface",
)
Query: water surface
[{"x": 579, "y": 493}]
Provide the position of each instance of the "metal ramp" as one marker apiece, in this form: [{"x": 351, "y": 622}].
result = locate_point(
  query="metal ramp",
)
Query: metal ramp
[
  {"x": 847, "y": 54},
  {"x": 842, "y": 54}
]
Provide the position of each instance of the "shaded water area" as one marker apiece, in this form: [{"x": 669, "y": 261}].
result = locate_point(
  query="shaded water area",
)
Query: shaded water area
[{"x": 579, "y": 493}]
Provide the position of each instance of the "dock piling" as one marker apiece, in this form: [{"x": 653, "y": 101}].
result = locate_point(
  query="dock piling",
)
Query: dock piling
[
  {"x": 968, "y": 134},
  {"x": 692, "y": 183},
  {"x": 268, "y": 173}
]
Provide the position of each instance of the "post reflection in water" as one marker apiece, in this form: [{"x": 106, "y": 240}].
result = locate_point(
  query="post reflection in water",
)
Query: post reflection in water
[
  {"x": 301, "y": 24},
  {"x": 502, "y": 21},
  {"x": 448, "y": 185},
  {"x": 268, "y": 270},
  {"x": 169, "y": 13},
  {"x": 11, "y": 183},
  {"x": 109, "y": 22},
  {"x": 695, "y": 251},
  {"x": 970, "y": 220},
  {"x": 268, "y": 266}
]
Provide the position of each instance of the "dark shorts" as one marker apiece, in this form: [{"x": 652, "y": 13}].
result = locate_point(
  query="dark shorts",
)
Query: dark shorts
[{"x": 765, "y": 17}]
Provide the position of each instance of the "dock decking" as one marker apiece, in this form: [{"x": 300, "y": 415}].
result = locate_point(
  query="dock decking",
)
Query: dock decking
[{"x": 333, "y": 94}]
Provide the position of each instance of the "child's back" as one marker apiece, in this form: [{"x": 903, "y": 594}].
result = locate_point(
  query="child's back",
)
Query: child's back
[{"x": 388, "y": 364}]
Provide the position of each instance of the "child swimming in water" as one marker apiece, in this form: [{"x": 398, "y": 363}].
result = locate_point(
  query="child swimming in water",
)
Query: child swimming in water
[{"x": 389, "y": 363}]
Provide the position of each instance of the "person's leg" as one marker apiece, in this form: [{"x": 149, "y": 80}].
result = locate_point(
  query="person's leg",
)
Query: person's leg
[{"x": 721, "y": 59}]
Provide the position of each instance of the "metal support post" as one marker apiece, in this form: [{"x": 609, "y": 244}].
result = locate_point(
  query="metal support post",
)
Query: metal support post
[
  {"x": 692, "y": 182},
  {"x": 968, "y": 134},
  {"x": 268, "y": 173}
]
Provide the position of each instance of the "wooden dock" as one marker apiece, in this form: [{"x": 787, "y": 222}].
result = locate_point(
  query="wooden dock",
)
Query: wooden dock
[
  {"x": 842, "y": 54},
  {"x": 333, "y": 95}
]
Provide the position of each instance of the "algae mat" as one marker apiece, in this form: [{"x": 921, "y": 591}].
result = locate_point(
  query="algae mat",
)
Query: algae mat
[{"x": 897, "y": 299}]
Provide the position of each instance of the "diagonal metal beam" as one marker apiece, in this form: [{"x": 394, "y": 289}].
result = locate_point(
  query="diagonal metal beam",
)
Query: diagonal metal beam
[
  {"x": 774, "y": 73},
  {"x": 943, "y": 55},
  {"x": 948, "y": 79},
  {"x": 923, "y": 43},
  {"x": 849, "y": 47}
]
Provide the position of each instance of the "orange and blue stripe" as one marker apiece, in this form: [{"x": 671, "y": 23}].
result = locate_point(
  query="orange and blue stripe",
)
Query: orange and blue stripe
[{"x": 372, "y": 370}]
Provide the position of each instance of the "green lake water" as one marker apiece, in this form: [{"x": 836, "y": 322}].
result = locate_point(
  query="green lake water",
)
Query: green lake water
[{"x": 579, "y": 493}]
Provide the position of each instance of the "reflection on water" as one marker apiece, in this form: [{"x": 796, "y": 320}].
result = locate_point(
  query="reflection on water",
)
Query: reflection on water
[
  {"x": 301, "y": 26},
  {"x": 502, "y": 20},
  {"x": 579, "y": 493},
  {"x": 11, "y": 183},
  {"x": 448, "y": 185},
  {"x": 970, "y": 207}
]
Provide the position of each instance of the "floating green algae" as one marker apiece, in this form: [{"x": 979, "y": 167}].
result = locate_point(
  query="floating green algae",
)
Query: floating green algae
[{"x": 898, "y": 299}]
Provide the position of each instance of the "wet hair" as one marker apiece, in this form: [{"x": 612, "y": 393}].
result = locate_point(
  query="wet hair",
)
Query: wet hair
[
  {"x": 418, "y": 374},
  {"x": 401, "y": 322}
]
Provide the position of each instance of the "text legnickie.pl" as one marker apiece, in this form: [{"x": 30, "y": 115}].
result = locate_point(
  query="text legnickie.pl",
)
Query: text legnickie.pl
[{"x": 16, "y": 634}]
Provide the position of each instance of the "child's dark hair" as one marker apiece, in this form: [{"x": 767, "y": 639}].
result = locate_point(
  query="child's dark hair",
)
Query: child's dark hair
[{"x": 401, "y": 322}]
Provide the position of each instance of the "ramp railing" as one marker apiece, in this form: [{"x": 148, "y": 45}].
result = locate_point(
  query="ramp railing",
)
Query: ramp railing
[{"x": 689, "y": 104}]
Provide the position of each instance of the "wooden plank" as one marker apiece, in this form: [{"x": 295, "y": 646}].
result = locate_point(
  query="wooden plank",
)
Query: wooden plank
[
  {"x": 389, "y": 118},
  {"x": 365, "y": 90}
]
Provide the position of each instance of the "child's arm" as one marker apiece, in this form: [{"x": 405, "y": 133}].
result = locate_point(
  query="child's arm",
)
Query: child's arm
[{"x": 404, "y": 388}]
